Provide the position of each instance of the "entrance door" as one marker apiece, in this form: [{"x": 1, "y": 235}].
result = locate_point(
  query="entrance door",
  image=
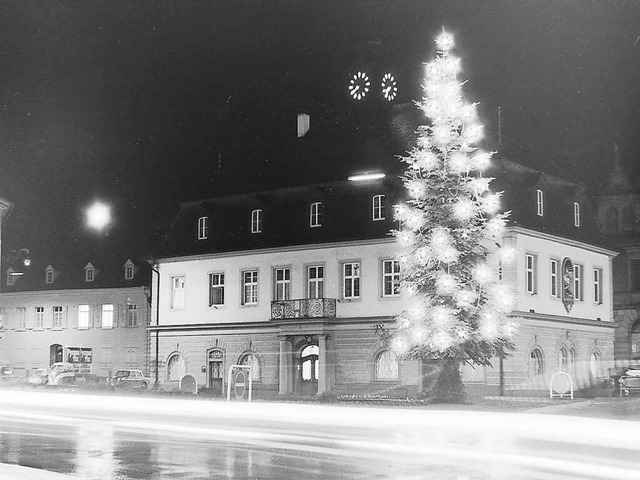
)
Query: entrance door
[
  {"x": 216, "y": 375},
  {"x": 55, "y": 354},
  {"x": 308, "y": 370}
]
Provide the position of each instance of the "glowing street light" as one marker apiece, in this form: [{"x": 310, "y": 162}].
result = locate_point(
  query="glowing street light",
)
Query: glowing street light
[{"x": 98, "y": 216}]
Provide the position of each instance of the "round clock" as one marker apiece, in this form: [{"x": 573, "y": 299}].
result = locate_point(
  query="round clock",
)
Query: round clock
[
  {"x": 389, "y": 87},
  {"x": 359, "y": 85}
]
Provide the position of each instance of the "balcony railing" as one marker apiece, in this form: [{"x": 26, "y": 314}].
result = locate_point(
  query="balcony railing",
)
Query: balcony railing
[{"x": 303, "y": 308}]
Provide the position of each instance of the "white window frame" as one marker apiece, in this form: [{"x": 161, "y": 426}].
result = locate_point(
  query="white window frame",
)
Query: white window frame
[
  {"x": 108, "y": 316},
  {"x": 379, "y": 207},
  {"x": 282, "y": 284},
  {"x": 256, "y": 221},
  {"x": 203, "y": 228},
  {"x": 540, "y": 202},
  {"x": 530, "y": 273},
  {"x": 315, "y": 214},
  {"x": 83, "y": 317},
  {"x": 89, "y": 274},
  {"x": 391, "y": 278},
  {"x": 48, "y": 278},
  {"x": 250, "y": 285},
  {"x": 216, "y": 282},
  {"x": 132, "y": 315},
  {"x": 554, "y": 278},
  {"x": 578, "y": 272},
  {"x": 597, "y": 285},
  {"x": 353, "y": 280},
  {"x": 128, "y": 272},
  {"x": 39, "y": 318},
  {"x": 58, "y": 317},
  {"x": 576, "y": 214},
  {"x": 178, "y": 292},
  {"x": 315, "y": 281}
]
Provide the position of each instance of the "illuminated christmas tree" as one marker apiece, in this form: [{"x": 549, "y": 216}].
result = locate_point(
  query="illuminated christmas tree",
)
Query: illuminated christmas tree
[{"x": 450, "y": 234}]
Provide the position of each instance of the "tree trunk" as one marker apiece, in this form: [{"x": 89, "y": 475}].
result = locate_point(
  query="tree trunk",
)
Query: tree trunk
[{"x": 448, "y": 387}]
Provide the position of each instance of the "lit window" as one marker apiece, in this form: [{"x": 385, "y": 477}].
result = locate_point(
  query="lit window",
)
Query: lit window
[
  {"x": 22, "y": 318},
  {"x": 316, "y": 282},
  {"x": 597, "y": 285},
  {"x": 282, "y": 284},
  {"x": 252, "y": 361},
  {"x": 379, "y": 207},
  {"x": 309, "y": 360},
  {"x": 315, "y": 214},
  {"x": 536, "y": 364},
  {"x": 128, "y": 270},
  {"x": 530, "y": 273},
  {"x": 132, "y": 315},
  {"x": 576, "y": 214},
  {"x": 39, "y": 318},
  {"x": 386, "y": 366},
  {"x": 177, "y": 292},
  {"x": 250, "y": 287},
  {"x": 351, "y": 280},
  {"x": 390, "y": 278},
  {"x": 203, "y": 228},
  {"x": 577, "y": 282},
  {"x": 89, "y": 272},
  {"x": 554, "y": 279},
  {"x": 540, "y": 202},
  {"x": 107, "y": 316},
  {"x": 256, "y": 221},
  {"x": 83, "y": 317},
  {"x": 304, "y": 122},
  {"x": 57, "y": 317},
  {"x": 216, "y": 289}
]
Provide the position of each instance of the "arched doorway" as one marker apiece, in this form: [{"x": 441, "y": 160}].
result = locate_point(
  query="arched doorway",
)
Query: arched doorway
[
  {"x": 307, "y": 370},
  {"x": 56, "y": 353}
]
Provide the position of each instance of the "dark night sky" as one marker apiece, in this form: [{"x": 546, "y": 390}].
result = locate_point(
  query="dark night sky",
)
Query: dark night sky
[{"x": 146, "y": 104}]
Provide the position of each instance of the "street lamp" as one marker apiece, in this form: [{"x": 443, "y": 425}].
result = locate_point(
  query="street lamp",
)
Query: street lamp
[{"x": 98, "y": 215}]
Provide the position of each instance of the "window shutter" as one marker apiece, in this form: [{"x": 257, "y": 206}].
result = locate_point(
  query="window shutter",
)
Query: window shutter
[
  {"x": 122, "y": 315},
  {"x": 97, "y": 316},
  {"x": 65, "y": 317},
  {"x": 48, "y": 317},
  {"x": 31, "y": 314},
  {"x": 73, "y": 317}
]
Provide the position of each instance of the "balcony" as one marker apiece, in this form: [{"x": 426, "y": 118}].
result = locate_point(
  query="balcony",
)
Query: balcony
[{"x": 303, "y": 308}]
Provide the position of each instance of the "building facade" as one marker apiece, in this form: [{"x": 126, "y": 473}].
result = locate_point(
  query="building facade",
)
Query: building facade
[{"x": 296, "y": 283}]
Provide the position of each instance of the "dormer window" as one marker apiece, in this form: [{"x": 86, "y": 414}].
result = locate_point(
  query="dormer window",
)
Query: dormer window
[
  {"x": 379, "y": 207},
  {"x": 89, "y": 273},
  {"x": 315, "y": 214},
  {"x": 128, "y": 270},
  {"x": 11, "y": 278},
  {"x": 576, "y": 214},
  {"x": 256, "y": 221},
  {"x": 203, "y": 228},
  {"x": 48, "y": 274},
  {"x": 540, "y": 202}
]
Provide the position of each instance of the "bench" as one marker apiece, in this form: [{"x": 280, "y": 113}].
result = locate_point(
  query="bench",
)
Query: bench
[{"x": 629, "y": 384}]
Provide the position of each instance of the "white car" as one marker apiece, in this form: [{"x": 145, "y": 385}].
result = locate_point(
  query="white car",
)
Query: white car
[
  {"x": 39, "y": 377},
  {"x": 128, "y": 378}
]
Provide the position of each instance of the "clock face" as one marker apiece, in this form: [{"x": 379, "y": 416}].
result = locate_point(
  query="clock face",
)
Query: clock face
[
  {"x": 389, "y": 87},
  {"x": 359, "y": 85}
]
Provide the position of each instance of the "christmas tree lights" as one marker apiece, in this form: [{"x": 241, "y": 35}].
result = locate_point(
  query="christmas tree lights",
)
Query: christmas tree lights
[{"x": 450, "y": 234}]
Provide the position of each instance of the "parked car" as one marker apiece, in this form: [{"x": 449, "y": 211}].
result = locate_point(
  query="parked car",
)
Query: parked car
[
  {"x": 62, "y": 373},
  {"x": 6, "y": 374},
  {"x": 39, "y": 377},
  {"x": 128, "y": 378}
]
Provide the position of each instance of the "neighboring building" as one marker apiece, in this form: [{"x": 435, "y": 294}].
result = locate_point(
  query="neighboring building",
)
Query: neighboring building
[
  {"x": 619, "y": 218},
  {"x": 293, "y": 283},
  {"x": 92, "y": 313}
]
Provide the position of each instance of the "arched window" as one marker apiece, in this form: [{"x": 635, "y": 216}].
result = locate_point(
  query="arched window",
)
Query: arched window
[
  {"x": 594, "y": 365},
  {"x": 611, "y": 220},
  {"x": 572, "y": 361},
  {"x": 309, "y": 360},
  {"x": 252, "y": 360},
  {"x": 175, "y": 367},
  {"x": 628, "y": 218},
  {"x": 536, "y": 365},
  {"x": 563, "y": 359},
  {"x": 386, "y": 366},
  {"x": 635, "y": 340}
]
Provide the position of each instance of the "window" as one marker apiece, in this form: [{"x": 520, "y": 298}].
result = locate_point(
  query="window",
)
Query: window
[
  {"x": 611, "y": 220},
  {"x": 216, "y": 289},
  {"x": 563, "y": 359},
  {"x": 175, "y": 368},
  {"x": 250, "y": 287},
  {"x": 49, "y": 274},
  {"x": 309, "y": 360},
  {"x": 315, "y": 214},
  {"x": 39, "y": 320},
  {"x": 315, "y": 282},
  {"x": 597, "y": 285},
  {"x": 177, "y": 292},
  {"x": 386, "y": 366},
  {"x": 304, "y": 123},
  {"x": 89, "y": 273},
  {"x": 132, "y": 315},
  {"x": 22, "y": 318},
  {"x": 635, "y": 274},
  {"x": 577, "y": 282},
  {"x": 379, "y": 207},
  {"x": 390, "y": 278},
  {"x": 11, "y": 279},
  {"x": 540, "y": 202},
  {"x": 282, "y": 284},
  {"x": 128, "y": 270},
  {"x": 594, "y": 365},
  {"x": 57, "y": 317},
  {"x": 256, "y": 221},
  {"x": 203, "y": 228},
  {"x": 351, "y": 280},
  {"x": 554, "y": 279},
  {"x": 635, "y": 340},
  {"x": 83, "y": 317},
  {"x": 251, "y": 360},
  {"x": 107, "y": 316},
  {"x": 536, "y": 364},
  {"x": 530, "y": 273},
  {"x": 576, "y": 214}
]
